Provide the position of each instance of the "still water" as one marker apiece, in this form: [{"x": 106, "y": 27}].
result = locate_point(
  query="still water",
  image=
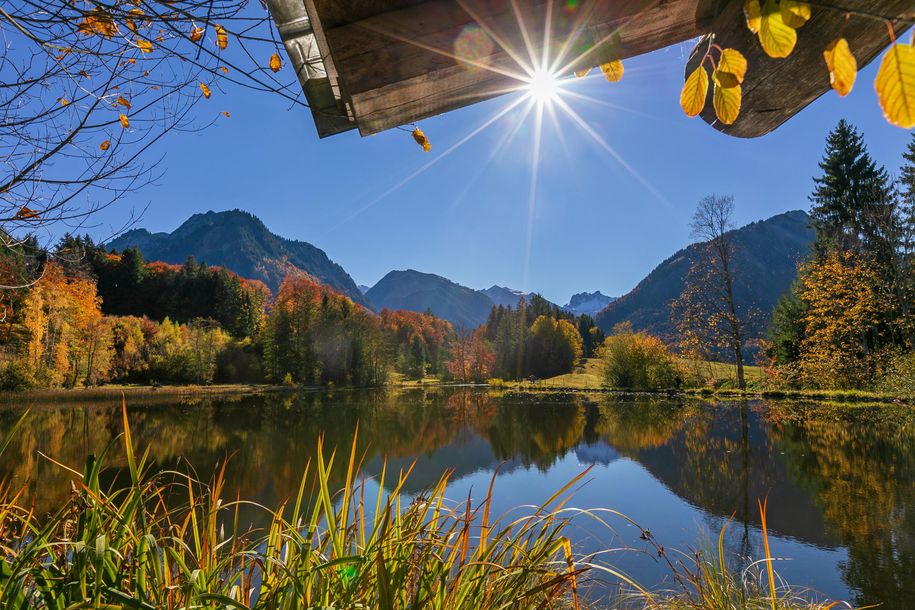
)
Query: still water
[{"x": 840, "y": 481}]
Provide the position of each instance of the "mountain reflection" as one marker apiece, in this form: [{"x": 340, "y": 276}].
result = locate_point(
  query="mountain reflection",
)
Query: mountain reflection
[{"x": 835, "y": 477}]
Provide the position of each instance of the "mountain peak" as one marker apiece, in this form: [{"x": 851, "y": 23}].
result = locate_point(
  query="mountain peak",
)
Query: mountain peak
[
  {"x": 417, "y": 291},
  {"x": 588, "y": 303},
  {"x": 240, "y": 242}
]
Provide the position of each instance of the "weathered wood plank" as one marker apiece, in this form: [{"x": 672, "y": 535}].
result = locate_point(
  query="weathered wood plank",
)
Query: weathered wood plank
[
  {"x": 400, "y": 66},
  {"x": 776, "y": 89}
]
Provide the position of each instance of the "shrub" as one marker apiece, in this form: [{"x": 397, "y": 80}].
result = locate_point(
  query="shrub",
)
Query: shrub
[
  {"x": 16, "y": 376},
  {"x": 899, "y": 377},
  {"x": 638, "y": 361}
]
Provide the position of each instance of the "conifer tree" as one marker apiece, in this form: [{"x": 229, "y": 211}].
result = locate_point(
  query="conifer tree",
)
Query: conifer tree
[{"x": 853, "y": 200}]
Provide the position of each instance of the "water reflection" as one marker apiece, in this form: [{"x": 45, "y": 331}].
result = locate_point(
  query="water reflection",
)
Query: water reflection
[{"x": 840, "y": 481}]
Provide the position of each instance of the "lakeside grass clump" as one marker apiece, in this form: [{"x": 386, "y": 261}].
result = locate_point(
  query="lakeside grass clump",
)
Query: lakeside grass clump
[{"x": 166, "y": 539}]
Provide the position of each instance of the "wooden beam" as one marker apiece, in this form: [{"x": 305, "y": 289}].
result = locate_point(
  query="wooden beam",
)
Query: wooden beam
[
  {"x": 774, "y": 90},
  {"x": 400, "y": 66}
]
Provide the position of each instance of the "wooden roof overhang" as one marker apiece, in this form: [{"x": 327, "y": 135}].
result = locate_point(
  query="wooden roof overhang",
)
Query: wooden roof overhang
[{"x": 376, "y": 64}]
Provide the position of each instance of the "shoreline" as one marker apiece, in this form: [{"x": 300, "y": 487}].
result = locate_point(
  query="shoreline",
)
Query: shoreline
[{"x": 116, "y": 391}]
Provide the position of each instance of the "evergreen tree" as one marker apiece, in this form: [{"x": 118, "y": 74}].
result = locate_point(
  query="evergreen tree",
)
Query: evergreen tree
[{"x": 853, "y": 201}]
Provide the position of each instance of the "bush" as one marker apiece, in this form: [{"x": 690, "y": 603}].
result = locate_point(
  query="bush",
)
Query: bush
[
  {"x": 16, "y": 376},
  {"x": 899, "y": 377},
  {"x": 637, "y": 361}
]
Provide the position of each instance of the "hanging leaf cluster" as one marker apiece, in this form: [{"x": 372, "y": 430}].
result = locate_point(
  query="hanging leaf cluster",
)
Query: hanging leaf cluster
[{"x": 726, "y": 79}]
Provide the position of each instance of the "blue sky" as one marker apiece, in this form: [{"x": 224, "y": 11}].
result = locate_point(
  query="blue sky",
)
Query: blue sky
[{"x": 594, "y": 225}]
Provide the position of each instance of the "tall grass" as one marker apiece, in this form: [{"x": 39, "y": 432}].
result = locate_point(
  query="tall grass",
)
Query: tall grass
[
  {"x": 165, "y": 539},
  {"x": 168, "y": 540}
]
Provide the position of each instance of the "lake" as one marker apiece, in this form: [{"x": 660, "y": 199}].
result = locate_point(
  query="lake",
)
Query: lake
[{"x": 840, "y": 481}]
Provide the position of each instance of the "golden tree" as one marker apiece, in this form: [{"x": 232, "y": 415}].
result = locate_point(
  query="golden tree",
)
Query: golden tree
[{"x": 845, "y": 302}]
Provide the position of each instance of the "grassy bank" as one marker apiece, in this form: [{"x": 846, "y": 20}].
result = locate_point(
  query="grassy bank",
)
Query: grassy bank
[
  {"x": 115, "y": 391},
  {"x": 588, "y": 377},
  {"x": 158, "y": 539}
]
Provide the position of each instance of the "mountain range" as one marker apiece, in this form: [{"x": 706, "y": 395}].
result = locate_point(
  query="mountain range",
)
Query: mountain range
[{"x": 768, "y": 253}]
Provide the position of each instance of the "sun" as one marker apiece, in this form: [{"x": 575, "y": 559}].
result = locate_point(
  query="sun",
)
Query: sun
[{"x": 542, "y": 87}]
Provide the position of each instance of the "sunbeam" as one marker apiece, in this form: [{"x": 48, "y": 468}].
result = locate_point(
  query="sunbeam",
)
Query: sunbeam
[
  {"x": 603, "y": 144},
  {"x": 425, "y": 167}
]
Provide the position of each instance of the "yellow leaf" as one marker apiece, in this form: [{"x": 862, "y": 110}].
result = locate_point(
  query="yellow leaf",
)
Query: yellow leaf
[
  {"x": 222, "y": 37},
  {"x": 726, "y": 101},
  {"x": 197, "y": 34},
  {"x": 224, "y": 69},
  {"x": 613, "y": 70},
  {"x": 582, "y": 73},
  {"x": 695, "y": 90},
  {"x": 794, "y": 13},
  {"x": 895, "y": 85},
  {"x": 776, "y": 37},
  {"x": 144, "y": 45},
  {"x": 421, "y": 139},
  {"x": 225, "y": 114},
  {"x": 205, "y": 90},
  {"x": 125, "y": 122},
  {"x": 732, "y": 68},
  {"x": 753, "y": 14},
  {"x": 105, "y": 145},
  {"x": 123, "y": 102},
  {"x": 275, "y": 62},
  {"x": 64, "y": 101},
  {"x": 843, "y": 69}
]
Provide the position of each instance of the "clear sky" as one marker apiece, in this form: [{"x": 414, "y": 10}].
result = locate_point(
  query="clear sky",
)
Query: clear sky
[{"x": 595, "y": 225}]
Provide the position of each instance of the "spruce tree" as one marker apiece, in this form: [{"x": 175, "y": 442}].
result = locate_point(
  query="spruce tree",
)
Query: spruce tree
[{"x": 853, "y": 201}]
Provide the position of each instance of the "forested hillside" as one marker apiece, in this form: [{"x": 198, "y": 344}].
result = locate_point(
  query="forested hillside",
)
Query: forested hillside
[{"x": 768, "y": 253}]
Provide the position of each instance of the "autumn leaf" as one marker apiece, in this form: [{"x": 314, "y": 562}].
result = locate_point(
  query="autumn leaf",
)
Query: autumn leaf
[
  {"x": 732, "y": 68},
  {"x": 726, "y": 101},
  {"x": 144, "y": 45},
  {"x": 582, "y": 73},
  {"x": 843, "y": 69},
  {"x": 613, "y": 70},
  {"x": 197, "y": 34},
  {"x": 224, "y": 69},
  {"x": 222, "y": 37},
  {"x": 83, "y": 73},
  {"x": 275, "y": 62},
  {"x": 123, "y": 102},
  {"x": 794, "y": 13},
  {"x": 205, "y": 90},
  {"x": 64, "y": 101},
  {"x": 695, "y": 90},
  {"x": 776, "y": 37},
  {"x": 97, "y": 22},
  {"x": 895, "y": 85},
  {"x": 421, "y": 139},
  {"x": 225, "y": 114},
  {"x": 125, "y": 122},
  {"x": 105, "y": 145},
  {"x": 753, "y": 14},
  {"x": 25, "y": 213}
]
